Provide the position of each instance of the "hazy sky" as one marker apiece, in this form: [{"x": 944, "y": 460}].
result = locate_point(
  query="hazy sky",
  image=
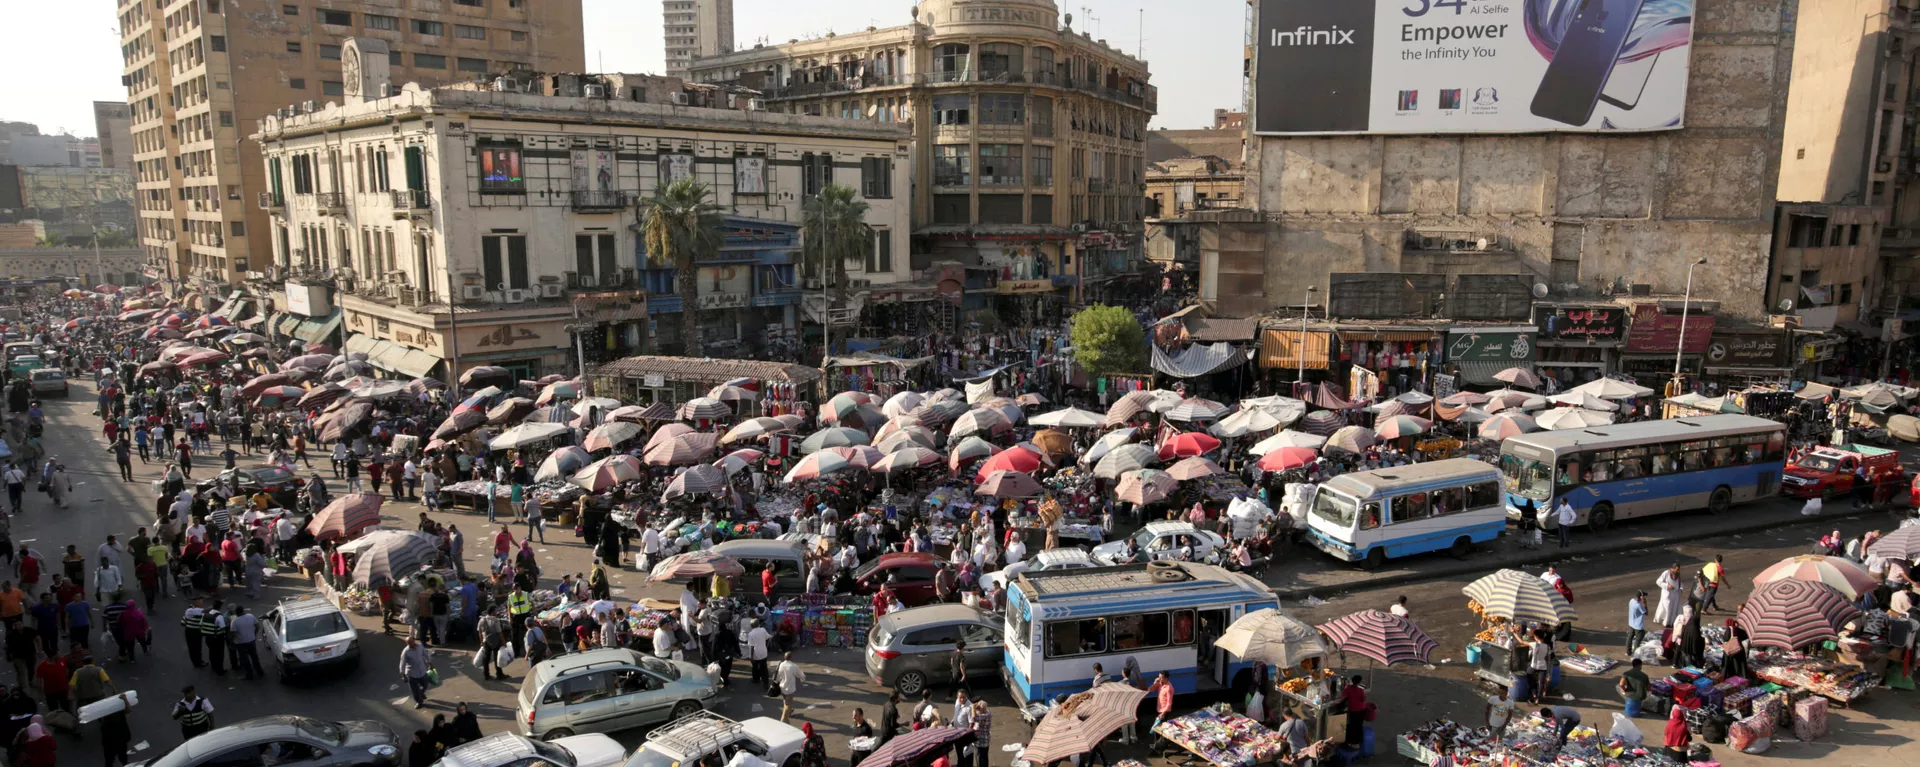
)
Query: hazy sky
[{"x": 67, "y": 53}]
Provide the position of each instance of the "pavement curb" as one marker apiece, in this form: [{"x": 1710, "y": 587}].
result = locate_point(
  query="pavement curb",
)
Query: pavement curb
[{"x": 1545, "y": 555}]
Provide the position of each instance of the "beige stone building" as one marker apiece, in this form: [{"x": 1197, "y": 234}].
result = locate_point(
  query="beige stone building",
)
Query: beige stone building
[
  {"x": 498, "y": 225},
  {"x": 200, "y": 74},
  {"x": 1185, "y": 184},
  {"x": 1031, "y": 135},
  {"x": 113, "y": 124},
  {"x": 694, "y": 29}
]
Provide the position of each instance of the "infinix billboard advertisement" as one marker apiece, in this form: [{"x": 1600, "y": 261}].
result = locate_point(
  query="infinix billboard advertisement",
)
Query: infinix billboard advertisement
[{"x": 1471, "y": 66}]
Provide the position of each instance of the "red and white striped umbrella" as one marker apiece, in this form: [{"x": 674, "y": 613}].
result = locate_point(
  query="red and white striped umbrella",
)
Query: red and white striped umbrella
[
  {"x": 1795, "y": 613},
  {"x": 606, "y": 435},
  {"x": 704, "y": 478},
  {"x": 1144, "y": 486},
  {"x": 346, "y": 516},
  {"x": 684, "y": 450},
  {"x": 1384, "y": 637},
  {"x": 910, "y": 457},
  {"x": 818, "y": 465},
  {"x": 1843, "y": 575},
  {"x": 603, "y": 474}
]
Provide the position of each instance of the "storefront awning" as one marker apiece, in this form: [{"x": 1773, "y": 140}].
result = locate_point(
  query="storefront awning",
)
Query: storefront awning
[
  {"x": 1481, "y": 372},
  {"x": 392, "y": 357},
  {"x": 1198, "y": 360},
  {"x": 316, "y": 329},
  {"x": 1281, "y": 349},
  {"x": 1369, "y": 334},
  {"x": 417, "y": 364}
]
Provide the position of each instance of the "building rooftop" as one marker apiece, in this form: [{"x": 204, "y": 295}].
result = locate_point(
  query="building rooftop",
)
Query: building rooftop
[{"x": 707, "y": 369}]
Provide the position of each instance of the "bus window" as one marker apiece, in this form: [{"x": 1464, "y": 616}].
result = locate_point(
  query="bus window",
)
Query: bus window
[
  {"x": 1482, "y": 495},
  {"x": 1693, "y": 460},
  {"x": 1662, "y": 463},
  {"x": 1081, "y": 637},
  {"x": 1720, "y": 457},
  {"x": 1569, "y": 471},
  {"x": 1776, "y": 446},
  {"x": 1183, "y": 627},
  {"x": 1371, "y": 518},
  {"x": 1134, "y": 632},
  {"x": 1527, "y": 477},
  {"x": 1411, "y": 508},
  {"x": 1450, "y": 500}
]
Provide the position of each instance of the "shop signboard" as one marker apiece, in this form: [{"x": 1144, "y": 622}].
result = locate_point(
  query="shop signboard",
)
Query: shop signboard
[
  {"x": 725, "y": 287},
  {"x": 1590, "y": 324},
  {"x": 1655, "y": 332},
  {"x": 1764, "y": 349},
  {"x": 1503, "y": 344}
]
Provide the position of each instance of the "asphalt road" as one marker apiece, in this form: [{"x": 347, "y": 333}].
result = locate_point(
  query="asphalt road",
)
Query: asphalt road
[{"x": 105, "y": 505}]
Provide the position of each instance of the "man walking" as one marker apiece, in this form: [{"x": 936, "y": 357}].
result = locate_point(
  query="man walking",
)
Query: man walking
[
  {"x": 194, "y": 713},
  {"x": 1636, "y": 620},
  {"x": 89, "y": 683},
  {"x": 789, "y": 677},
  {"x": 1716, "y": 575},
  {"x": 415, "y": 664},
  {"x": 493, "y": 630},
  {"x": 1564, "y": 518},
  {"x": 535, "y": 524},
  {"x": 245, "y": 628},
  {"x": 123, "y": 457}
]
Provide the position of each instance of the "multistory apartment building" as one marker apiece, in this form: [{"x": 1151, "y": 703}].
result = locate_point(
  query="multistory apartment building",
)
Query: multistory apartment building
[
  {"x": 505, "y": 229},
  {"x": 113, "y": 123},
  {"x": 200, "y": 74},
  {"x": 1033, "y": 135},
  {"x": 694, "y": 29}
]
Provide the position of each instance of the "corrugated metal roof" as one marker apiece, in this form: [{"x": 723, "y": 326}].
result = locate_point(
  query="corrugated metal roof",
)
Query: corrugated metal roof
[
  {"x": 707, "y": 369},
  {"x": 1222, "y": 328}
]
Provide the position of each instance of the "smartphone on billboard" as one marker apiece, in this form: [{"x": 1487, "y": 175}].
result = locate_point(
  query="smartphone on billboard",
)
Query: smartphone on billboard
[
  {"x": 1585, "y": 59},
  {"x": 1629, "y": 81}
]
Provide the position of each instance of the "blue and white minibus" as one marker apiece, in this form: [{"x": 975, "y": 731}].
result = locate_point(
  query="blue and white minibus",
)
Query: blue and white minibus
[
  {"x": 1622, "y": 471},
  {"x": 1370, "y": 516}
]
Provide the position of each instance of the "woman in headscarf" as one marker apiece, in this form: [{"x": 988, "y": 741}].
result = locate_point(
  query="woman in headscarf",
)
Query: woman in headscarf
[
  {"x": 1677, "y": 735},
  {"x": 525, "y": 560},
  {"x": 466, "y": 726},
  {"x": 134, "y": 625},
  {"x": 1693, "y": 647},
  {"x": 813, "y": 749},
  {"x": 421, "y": 751},
  {"x": 442, "y": 734},
  {"x": 1736, "y": 651},
  {"x": 34, "y": 746}
]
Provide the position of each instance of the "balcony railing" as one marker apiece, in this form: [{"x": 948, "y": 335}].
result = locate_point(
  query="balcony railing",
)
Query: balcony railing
[
  {"x": 600, "y": 200},
  {"x": 330, "y": 201},
  {"x": 411, "y": 199}
]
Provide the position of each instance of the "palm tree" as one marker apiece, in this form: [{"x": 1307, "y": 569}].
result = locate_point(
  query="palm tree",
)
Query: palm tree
[
  {"x": 681, "y": 226},
  {"x": 835, "y": 230}
]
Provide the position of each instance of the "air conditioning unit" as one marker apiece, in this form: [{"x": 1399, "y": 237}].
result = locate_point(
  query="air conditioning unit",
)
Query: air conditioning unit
[
  {"x": 680, "y": 99},
  {"x": 859, "y": 284},
  {"x": 550, "y": 289},
  {"x": 472, "y": 292},
  {"x": 516, "y": 295},
  {"x": 596, "y": 91},
  {"x": 502, "y": 84},
  {"x": 613, "y": 281},
  {"x": 390, "y": 290},
  {"x": 586, "y": 281},
  {"x": 386, "y": 89},
  {"x": 309, "y": 107},
  {"x": 812, "y": 283},
  {"x": 273, "y": 272},
  {"x": 756, "y": 105}
]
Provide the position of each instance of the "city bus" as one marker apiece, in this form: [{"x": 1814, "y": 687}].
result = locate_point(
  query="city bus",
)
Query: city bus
[
  {"x": 1623, "y": 471},
  {"x": 1370, "y": 516},
  {"x": 1163, "y": 615}
]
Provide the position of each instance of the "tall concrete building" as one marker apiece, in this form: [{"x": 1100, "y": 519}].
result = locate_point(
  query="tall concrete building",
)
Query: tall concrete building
[
  {"x": 1031, "y": 138},
  {"x": 201, "y": 74},
  {"x": 695, "y": 29},
  {"x": 113, "y": 124}
]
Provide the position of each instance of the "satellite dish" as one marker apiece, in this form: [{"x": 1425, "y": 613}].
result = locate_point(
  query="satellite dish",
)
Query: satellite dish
[
  {"x": 1481, "y": 243},
  {"x": 1539, "y": 289},
  {"x": 1786, "y": 304}
]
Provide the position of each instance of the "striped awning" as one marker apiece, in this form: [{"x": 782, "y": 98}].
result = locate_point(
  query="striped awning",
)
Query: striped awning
[
  {"x": 1282, "y": 349},
  {"x": 1481, "y": 372},
  {"x": 1198, "y": 360}
]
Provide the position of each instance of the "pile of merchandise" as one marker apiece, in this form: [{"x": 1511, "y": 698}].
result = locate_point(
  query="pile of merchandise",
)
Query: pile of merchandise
[
  {"x": 1224, "y": 738},
  {"x": 361, "y": 600},
  {"x": 1529, "y": 741},
  {"x": 1843, "y": 682},
  {"x": 1588, "y": 664}
]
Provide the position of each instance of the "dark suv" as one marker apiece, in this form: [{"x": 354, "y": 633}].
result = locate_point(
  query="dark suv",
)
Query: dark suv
[{"x": 288, "y": 741}]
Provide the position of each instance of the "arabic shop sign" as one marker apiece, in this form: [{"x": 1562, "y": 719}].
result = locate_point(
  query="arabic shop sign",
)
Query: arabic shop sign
[
  {"x": 725, "y": 287},
  {"x": 1593, "y": 324},
  {"x": 503, "y": 336},
  {"x": 1491, "y": 345},
  {"x": 1654, "y": 332},
  {"x": 1757, "y": 350}
]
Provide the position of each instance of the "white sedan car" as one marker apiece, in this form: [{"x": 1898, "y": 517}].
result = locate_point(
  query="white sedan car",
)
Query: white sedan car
[
  {"x": 707, "y": 739},
  {"x": 1051, "y": 559},
  {"x": 1162, "y": 540},
  {"x": 307, "y": 635}
]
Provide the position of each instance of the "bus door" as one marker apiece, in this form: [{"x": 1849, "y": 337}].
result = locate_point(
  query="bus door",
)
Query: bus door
[{"x": 1213, "y": 660}]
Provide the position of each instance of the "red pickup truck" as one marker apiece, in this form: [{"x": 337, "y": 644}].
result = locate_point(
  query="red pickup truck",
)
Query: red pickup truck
[{"x": 1828, "y": 471}]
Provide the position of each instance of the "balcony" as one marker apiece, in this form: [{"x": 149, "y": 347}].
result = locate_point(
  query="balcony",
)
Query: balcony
[
  {"x": 591, "y": 201},
  {"x": 952, "y": 76},
  {"x": 330, "y": 203},
  {"x": 409, "y": 201}
]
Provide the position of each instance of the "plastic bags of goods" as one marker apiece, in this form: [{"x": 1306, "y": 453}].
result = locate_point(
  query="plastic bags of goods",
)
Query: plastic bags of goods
[
  {"x": 1810, "y": 719},
  {"x": 1626, "y": 730},
  {"x": 1716, "y": 727},
  {"x": 1752, "y": 735}
]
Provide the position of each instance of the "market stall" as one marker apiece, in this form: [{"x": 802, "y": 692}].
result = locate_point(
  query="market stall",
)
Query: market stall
[
  {"x": 1223, "y": 738},
  {"x": 1841, "y": 682}
]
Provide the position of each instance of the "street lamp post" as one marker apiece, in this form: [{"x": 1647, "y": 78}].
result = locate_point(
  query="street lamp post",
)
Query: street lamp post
[
  {"x": 1680, "y": 344},
  {"x": 1300, "y": 350}
]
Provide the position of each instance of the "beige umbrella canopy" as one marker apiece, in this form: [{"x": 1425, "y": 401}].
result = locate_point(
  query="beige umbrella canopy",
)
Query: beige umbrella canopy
[{"x": 1272, "y": 637}]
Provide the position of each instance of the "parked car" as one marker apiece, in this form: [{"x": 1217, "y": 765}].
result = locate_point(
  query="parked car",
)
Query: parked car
[
  {"x": 1051, "y": 559},
  {"x": 279, "y": 483},
  {"x": 608, "y": 690},
  {"x": 708, "y": 738},
  {"x": 911, "y": 649},
  {"x": 24, "y": 365},
  {"x": 1162, "y": 540},
  {"x": 787, "y": 558},
  {"x": 288, "y": 741},
  {"x": 309, "y": 634},
  {"x": 506, "y": 749},
  {"x": 48, "y": 382},
  {"x": 909, "y": 574}
]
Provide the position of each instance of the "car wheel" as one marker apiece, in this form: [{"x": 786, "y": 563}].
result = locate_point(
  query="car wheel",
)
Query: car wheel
[
  {"x": 910, "y": 683},
  {"x": 1720, "y": 501},
  {"x": 684, "y": 709},
  {"x": 792, "y": 761},
  {"x": 1600, "y": 518},
  {"x": 1461, "y": 548},
  {"x": 556, "y": 734}
]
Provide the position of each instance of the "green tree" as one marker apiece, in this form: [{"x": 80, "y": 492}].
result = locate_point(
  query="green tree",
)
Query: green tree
[
  {"x": 834, "y": 231},
  {"x": 681, "y": 226},
  {"x": 1107, "y": 339}
]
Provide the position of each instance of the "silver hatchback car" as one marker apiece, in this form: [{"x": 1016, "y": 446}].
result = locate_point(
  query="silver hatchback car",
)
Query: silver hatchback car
[
  {"x": 911, "y": 649},
  {"x": 608, "y": 690}
]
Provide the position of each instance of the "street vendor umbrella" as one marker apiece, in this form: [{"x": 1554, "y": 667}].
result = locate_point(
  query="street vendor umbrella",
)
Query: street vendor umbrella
[
  {"x": 838, "y": 436},
  {"x": 586, "y": 405},
  {"x": 1284, "y": 458},
  {"x": 606, "y": 435},
  {"x": 1322, "y": 422},
  {"x": 969, "y": 449},
  {"x": 259, "y": 352},
  {"x": 487, "y": 375},
  {"x": 1005, "y": 407},
  {"x": 394, "y": 554},
  {"x": 910, "y": 436},
  {"x": 1462, "y": 413},
  {"x": 731, "y": 393},
  {"x": 1518, "y": 377},
  {"x": 164, "y": 333},
  {"x": 323, "y": 395},
  {"x": 1517, "y": 596},
  {"x": 1105, "y": 444},
  {"x": 1902, "y": 543},
  {"x": 137, "y": 314},
  {"x": 527, "y": 434},
  {"x": 1572, "y": 418},
  {"x": 1013, "y": 459},
  {"x": 944, "y": 411},
  {"x": 842, "y": 404},
  {"x": 1381, "y": 636},
  {"x": 174, "y": 351},
  {"x": 1030, "y": 399},
  {"x": 658, "y": 411},
  {"x": 258, "y": 384},
  {"x": 1194, "y": 468},
  {"x": 562, "y": 463},
  {"x": 382, "y": 390},
  {"x": 356, "y": 383},
  {"x": 201, "y": 358},
  {"x": 1395, "y": 427},
  {"x": 1813, "y": 391},
  {"x": 275, "y": 396},
  {"x": 345, "y": 422},
  {"x": 1144, "y": 486},
  {"x": 1463, "y": 399},
  {"x": 816, "y": 466},
  {"x": 980, "y": 421},
  {"x": 1843, "y": 575},
  {"x": 603, "y": 474},
  {"x": 156, "y": 369},
  {"x": 458, "y": 423},
  {"x": 1128, "y": 407},
  {"x": 902, "y": 404},
  {"x": 1287, "y": 438},
  {"x": 860, "y": 456},
  {"x": 1251, "y": 420},
  {"x": 1793, "y": 613},
  {"x": 1080, "y": 724},
  {"x": 1272, "y": 637},
  {"x": 346, "y": 515},
  {"x": 1577, "y": 398},
  {"x": 704, "y": 408},
  {"x": 704, "y": 478},
  {"x": 1390, "y": 407},
  {"x": 684, "y": 450},
  {"x": 1353, "y": 439},
  {"x": 558, "y": 390},
  {"x": 667, "y": 431},
  {"x": 510, "y": 410},
  {"x": 1125, "y": 458},
  {"x": 1507, "y": 399},
  {"x": 1054, "y": 444},
  {"x": 753, "y": 428},
  {"x": 246, "y": 339},
  {"x": 909, "y": 457},
  {"x": 738, "y": 460},
  {"x": 912, "y": 747},
  {"x": 205, "y": 333},
  {"x": 1510, "y": 424},
  {"x": 1069, "y": 418},
  {"x": 696, "y": 565},
  {"x": 1609, "y": 388},
  {"x": 210, "y": 320},
  {"x": 1009, "y": 484},
  {"x": 1187, "y": 443}
]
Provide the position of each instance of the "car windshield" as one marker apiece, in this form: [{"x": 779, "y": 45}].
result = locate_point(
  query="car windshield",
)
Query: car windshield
[
  {"x": 47, "y": 375},
  {"x": 660, "y": 668},
  {"x": 648, "y": 757},
  {"x": 270, "y": 474},
  {"x": 316, "y": 626},
  {"x": 322, "y": 730},
  {"x": 1527, "y": 477},
  {"x": 1819, "y": 463},
  {"x": 1143, "y": 538},
  {"x": 1336, "y": 508}
]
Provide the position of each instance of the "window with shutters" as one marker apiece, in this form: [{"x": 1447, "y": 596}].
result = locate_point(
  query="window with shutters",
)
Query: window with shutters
[
  {"x": 880, "y": 256},
  {"x": 876, "y": 177},
  {"x": 503, "y": 261},
  {"x": 953, "y": 165},
  {"x": 594, "y": 257},
  {"x": 816, "y": 172}
]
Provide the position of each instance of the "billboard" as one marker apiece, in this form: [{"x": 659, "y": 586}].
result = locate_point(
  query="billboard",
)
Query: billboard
[{"x": 1471, "y": 66}]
